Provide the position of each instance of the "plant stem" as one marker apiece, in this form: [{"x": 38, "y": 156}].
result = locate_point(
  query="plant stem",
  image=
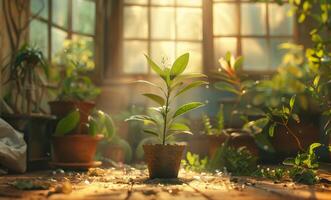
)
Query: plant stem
[{"x": 166, "y": 115}]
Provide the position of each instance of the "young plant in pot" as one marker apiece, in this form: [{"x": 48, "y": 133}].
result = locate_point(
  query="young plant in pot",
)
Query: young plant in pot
[
  {"x": 76, "y": 89},
  {"x": 77, "y": 151},
  {"x": 25, "y": 89},
  {"x": 163, "y": 159}
]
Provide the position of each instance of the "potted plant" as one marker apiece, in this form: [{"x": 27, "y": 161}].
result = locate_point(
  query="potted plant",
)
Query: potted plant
[
  {"x": 163, "y": 159},
  {"x": 218, "y": 134},
  {"x": 76, "y": 89},
  {"x": 25, "y": 87},
  {"x": 78, "y": 150}
]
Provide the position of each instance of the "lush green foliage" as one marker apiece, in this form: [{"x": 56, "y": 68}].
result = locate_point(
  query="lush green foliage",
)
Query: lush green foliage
[
  {"x": 208, "y": 127},
  {"x": 75, "y": 61},
  {"x": 194, "y": 163},
  {"x": 28, "y": 78},
  {"x": 99, "y": 123},
  {"x": 164, "y": 124}
]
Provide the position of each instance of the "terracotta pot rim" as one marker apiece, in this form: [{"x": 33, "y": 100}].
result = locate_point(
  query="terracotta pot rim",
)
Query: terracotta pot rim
[{"x": 73, "y": 136}]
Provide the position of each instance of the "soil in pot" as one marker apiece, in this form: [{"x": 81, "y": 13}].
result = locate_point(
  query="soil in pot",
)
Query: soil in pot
[
  {"x": 163, "y": 161},
  {"x": 74, "y": 148}
]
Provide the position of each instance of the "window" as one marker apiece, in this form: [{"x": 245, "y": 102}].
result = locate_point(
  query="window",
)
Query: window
[
  {"x": 253, "y": 30},
  {"x": 161, "y": 29},
  {"x": 59, "y": 20}
]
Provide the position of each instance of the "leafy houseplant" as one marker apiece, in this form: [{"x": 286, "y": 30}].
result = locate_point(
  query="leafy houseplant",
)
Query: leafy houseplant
[
  {"x": 163, "y": 159},
  {"x": 78, "y": 150},
  {"x": 25, "y": 87},
  {"x": 76, "y": 89}
]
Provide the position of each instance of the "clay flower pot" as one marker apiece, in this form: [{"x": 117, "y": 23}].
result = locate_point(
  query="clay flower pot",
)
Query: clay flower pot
[
  {"x": 215, "y": 141},
  {"x": 74, "y": 148},
  {"x": 163, "y": 161},
  {"x": 62, "y": 108}
]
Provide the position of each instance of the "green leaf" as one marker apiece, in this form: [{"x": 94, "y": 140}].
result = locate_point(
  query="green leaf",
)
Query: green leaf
[
  {"x": 296, "y": 117},
  {"x": 173, "y": 133},
  {"x": 154, "y": 66},
  {"x": 226, "y": 87},
  {"x": 187, "y": 107},
  {"x": 179, "y": 127},
  {"x": 151, "y": 132},
  {"x": 191, "y": 85},
  {"x": 179, "y": 65},
  {"x": 292, "y": 101},
  {"x": 238, "y": 63},
  {"x": 228, "y": 56},
  {"x": 313, "y": 146},
  {"x": 156, "y": 98},
  {"x": 68, "y": 123},
  {"x": 272, "y": 130},
  {"x": 183, "y": 77},
  {"x": 149, "y": 83},
  {"x": 143, "y": 118}
]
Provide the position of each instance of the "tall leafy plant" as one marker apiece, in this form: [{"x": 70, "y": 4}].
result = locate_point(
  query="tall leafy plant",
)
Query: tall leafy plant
[{"x": 164, "y": 124}]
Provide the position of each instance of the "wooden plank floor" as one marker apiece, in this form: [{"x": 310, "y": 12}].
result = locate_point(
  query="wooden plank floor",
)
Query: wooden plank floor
[{"x": 133, "y": 184}]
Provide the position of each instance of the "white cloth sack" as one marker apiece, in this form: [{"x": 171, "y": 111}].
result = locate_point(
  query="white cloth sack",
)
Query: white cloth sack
[{"x": 12, "y": 148}]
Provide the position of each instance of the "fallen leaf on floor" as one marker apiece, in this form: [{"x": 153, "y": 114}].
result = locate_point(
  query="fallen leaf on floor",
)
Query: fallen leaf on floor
[
  {"x": 64, "y": 188},
  {"x": 29, "y": 185}
]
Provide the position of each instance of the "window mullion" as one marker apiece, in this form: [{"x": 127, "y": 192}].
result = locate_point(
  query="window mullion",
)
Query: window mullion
[{"x": 70, "y": 8}]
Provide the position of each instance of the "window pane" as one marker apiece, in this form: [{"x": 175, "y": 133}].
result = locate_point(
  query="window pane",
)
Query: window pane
[
  {"x": 253, "y": 17},
  {"x": 225, "y": 19},
  {"x": 133, "y": 57},
  {"x": 255, "y": 52},
  {"x": 195, "y": 50},
  {"x": 163, "y": 23},
  {"x": 276, "y": 54},
  {"x": 189, "y": 23},
  {"x": 223, "y": 45},
  {"x": 38, "y": 35},
  {"x": 84, "y": 16},
  {"x": 280, "y": 22},
  {"x": 37, "y": 5},
  {"x": 58, "y": 37},
  {"x": 163, "y": 2},
  {"x": 60, "y": 12},
  {"x": 135, "y": 22},
  {"x": 163, "y": 51},
  {"x": 189, "y": 3},
  {"x": 142, "y": 2}
]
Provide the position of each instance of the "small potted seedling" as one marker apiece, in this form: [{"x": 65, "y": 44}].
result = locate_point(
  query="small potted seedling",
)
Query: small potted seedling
[
  {"x": 78, "y": 150},
  {"x": 163, "y": 159}
]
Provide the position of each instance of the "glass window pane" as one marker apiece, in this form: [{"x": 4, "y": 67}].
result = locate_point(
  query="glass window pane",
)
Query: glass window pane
[
  {"x": 189, "y": 23},
  {"x": 225, "y": 19},
  {"x": 58, "y": 37},
  {"x": 60, "y": 12},
  {"x": 163, "y": 23},
  {"x": 189, "y": 3},
  {"x": 84, "y": 16},
  {"x": 276, "y": 54},
  {"x": 255, "y": 52},
  {"x": 40, "y": 6},
  {"x": 134, "y": 61},
  {"x": 141, "y": 2},
  {"x": 195, "y": 50},
  {"x": 253, "y": 18},
  {"x": 163, "y": 51},
  {"x": 223, "y": 45},
  {"x": 135, "y": 22},
  {"x": 39, "y": 35},
  {"x": 163, "y": 2},
  {"x": 280, "y": 22}
]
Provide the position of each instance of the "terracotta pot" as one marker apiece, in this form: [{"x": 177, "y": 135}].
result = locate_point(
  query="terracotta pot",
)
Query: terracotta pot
[
  {"x": 215, "y": 141},
  {"x": 116, "y": 153},
  {"x": 163, "y": 161},
  {"x": 198, "y": 144},
  {"x": 74, "y": 148},
  {"x": 62, "y": 108},
  {"x": 285, "y": 145}
]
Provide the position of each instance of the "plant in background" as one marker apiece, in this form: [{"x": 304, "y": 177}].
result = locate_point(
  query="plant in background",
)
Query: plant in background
[
  {"x": 99, "y": 123},
  {"x": 237, "y": 161},
  {"x": 208, "y": 127},
  {"x": 164, "y": 124},
  {"x": 194, "y": 163},
  {"x": 28, "y": 78},
  {"x": 76, "y": 60}
]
